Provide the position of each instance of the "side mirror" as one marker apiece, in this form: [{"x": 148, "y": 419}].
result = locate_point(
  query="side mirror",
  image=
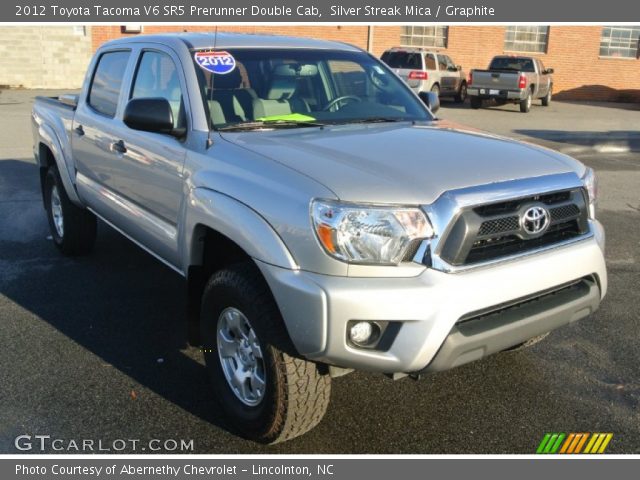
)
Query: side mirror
[
  {"x": 67, "y": 99},
  {"x": 459, "y": 68},
  {"x": 452, "y": 68},
  {"x": 431, "y": 100},
  {"x": 149, "y": 115},
  {"x": 549, "y": 71}
]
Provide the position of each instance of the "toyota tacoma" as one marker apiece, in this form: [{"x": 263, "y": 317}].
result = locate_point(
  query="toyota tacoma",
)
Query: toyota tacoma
[{"x": 324, "y": 219}]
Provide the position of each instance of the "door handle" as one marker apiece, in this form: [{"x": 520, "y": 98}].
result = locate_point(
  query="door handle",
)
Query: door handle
[
  {"x": 79, "y": 130},
  {"x": 119, "y": 147}
]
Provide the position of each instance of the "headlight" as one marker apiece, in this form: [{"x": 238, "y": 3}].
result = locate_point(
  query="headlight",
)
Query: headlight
[
  {"x": 368, "y": 234},
  {"x": 591, "y": 185}
]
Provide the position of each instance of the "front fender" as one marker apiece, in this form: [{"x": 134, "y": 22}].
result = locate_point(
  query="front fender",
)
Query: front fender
[{"x": 236, "y": 221}]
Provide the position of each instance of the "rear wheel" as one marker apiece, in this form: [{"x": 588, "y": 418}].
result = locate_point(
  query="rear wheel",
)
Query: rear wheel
[
  {"x": 436, "y": 89},
  {"x": 461, "y": 96},
  {"x": 267, "y": 393},
  {"x": 525, "y": 105},
  {"x": 475, "y": 102},
  {"x": 73, "y": 229}
]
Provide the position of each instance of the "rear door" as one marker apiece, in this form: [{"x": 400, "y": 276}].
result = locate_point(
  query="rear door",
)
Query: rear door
[
  {"x": 449, "y": 74},
  {"x": 456, "y": 74},
  {"x": 96, "y": 126},
  {"x": 431, "y": 66}
]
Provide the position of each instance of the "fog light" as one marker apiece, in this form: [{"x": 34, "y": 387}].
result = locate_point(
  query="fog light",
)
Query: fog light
[{"x": 360, "y": 333}]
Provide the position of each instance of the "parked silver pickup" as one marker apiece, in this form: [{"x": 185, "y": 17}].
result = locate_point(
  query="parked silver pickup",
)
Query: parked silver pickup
[
  {"x": 324, "y": 220},
  {"x": 512, "y": 79}
]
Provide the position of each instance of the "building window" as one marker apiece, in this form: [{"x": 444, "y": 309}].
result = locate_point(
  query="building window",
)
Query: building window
[
  {"x": 414, "y": 36},
  {"x": 519, "y": 38},
  {"x": 620, "y": 41}
]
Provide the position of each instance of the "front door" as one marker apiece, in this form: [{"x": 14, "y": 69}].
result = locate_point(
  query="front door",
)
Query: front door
[{"x": 151, "y": 171}]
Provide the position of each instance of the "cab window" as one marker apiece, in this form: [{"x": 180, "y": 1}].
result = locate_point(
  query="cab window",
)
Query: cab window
[
  {"x": 107, "y": 82},
  {"x": 430, "y": 61},
  {"x": 450, "y": 64},
  {"x": 157, "y": 77},
  {"x": 442, "y": 62}
]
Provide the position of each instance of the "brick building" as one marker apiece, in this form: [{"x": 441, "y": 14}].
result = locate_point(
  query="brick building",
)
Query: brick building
[{"x": 590, "y": 62}]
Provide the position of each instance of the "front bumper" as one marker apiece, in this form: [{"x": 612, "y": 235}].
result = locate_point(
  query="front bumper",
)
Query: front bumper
[
  {"x": 474, "y": 338},
  {"x": 489, "y": 93},
  {"x": 316, "y": 308}
]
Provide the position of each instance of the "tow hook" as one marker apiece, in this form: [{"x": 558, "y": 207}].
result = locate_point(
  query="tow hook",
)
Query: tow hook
[{"x": 401, "y": 375}]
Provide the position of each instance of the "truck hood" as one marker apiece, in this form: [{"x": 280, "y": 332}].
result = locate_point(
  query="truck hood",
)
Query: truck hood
[{"x": 401, "y": 162}]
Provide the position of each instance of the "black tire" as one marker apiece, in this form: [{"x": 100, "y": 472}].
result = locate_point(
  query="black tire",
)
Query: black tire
[
  {"x": 461, "y": 96},
  {"x": 528, "y": 343},
  {"x": 78, "y": 233},
  {"x": 436, "y": 89},
  {"x": 475, "y": 102},
  {"x": 546, "y": 100},
  {"x": 296, "y": 393},
  {"x": 525, "y": 105}
]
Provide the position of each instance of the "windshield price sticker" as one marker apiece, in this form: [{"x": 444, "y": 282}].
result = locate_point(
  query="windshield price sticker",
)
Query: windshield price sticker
[{"x": 220, "y": 63}]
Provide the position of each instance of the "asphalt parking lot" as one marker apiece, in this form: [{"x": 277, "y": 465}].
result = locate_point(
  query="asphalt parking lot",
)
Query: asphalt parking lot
[{"x": 94, "y": 348}]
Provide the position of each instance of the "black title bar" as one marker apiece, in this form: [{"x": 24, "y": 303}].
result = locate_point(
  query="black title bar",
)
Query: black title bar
[{"x": 297, "y": 11}]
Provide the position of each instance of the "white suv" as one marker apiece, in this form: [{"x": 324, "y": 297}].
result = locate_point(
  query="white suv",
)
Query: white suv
[{"x": 425, "y": 71}]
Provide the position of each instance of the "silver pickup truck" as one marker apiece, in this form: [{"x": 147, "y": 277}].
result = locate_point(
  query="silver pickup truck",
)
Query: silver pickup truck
[
  {"x": 512, "y": 79},
  {"x": 323, "y": 218}
]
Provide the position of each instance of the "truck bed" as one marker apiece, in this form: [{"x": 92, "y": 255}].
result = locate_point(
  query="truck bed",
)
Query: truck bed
[
  {"x": 53, "y": 118},
  {"x": 496, "y": 79}
]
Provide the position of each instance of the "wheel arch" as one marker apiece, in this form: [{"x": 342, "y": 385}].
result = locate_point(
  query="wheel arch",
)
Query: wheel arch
[
  {"x": 223, "y": 231},
  {"x": 50, "y": 152}
]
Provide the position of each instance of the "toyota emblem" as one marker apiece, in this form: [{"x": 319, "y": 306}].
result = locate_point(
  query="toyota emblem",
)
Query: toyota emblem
[{"x": 535, "y": 220}]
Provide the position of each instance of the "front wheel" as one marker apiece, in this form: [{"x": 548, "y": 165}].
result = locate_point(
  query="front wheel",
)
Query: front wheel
[
  {"x": 266, "y": 392},
  {"x": 546, "y": 100},
  {"x": 73, "y": 229}
]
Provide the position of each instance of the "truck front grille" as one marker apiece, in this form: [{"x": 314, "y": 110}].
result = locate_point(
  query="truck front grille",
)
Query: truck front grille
[
  {"x": 496, "y": 230},
  {"x": 503, "y": 246}
]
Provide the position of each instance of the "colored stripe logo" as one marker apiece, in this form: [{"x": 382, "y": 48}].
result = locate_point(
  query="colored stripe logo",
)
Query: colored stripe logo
[{"x": 585, "y": 443}]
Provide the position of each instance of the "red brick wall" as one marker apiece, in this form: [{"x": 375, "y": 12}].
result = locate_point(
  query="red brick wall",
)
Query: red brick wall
[{"x": 572, "y": 51}]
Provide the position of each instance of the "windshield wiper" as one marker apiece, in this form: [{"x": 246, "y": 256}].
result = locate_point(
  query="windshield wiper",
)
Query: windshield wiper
[
  {"x": 270, "y": 124},
  {"x": 375, "y": 120}
]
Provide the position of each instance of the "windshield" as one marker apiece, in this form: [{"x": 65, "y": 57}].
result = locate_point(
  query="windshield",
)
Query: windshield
[{"x": 246, "y": 88}]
